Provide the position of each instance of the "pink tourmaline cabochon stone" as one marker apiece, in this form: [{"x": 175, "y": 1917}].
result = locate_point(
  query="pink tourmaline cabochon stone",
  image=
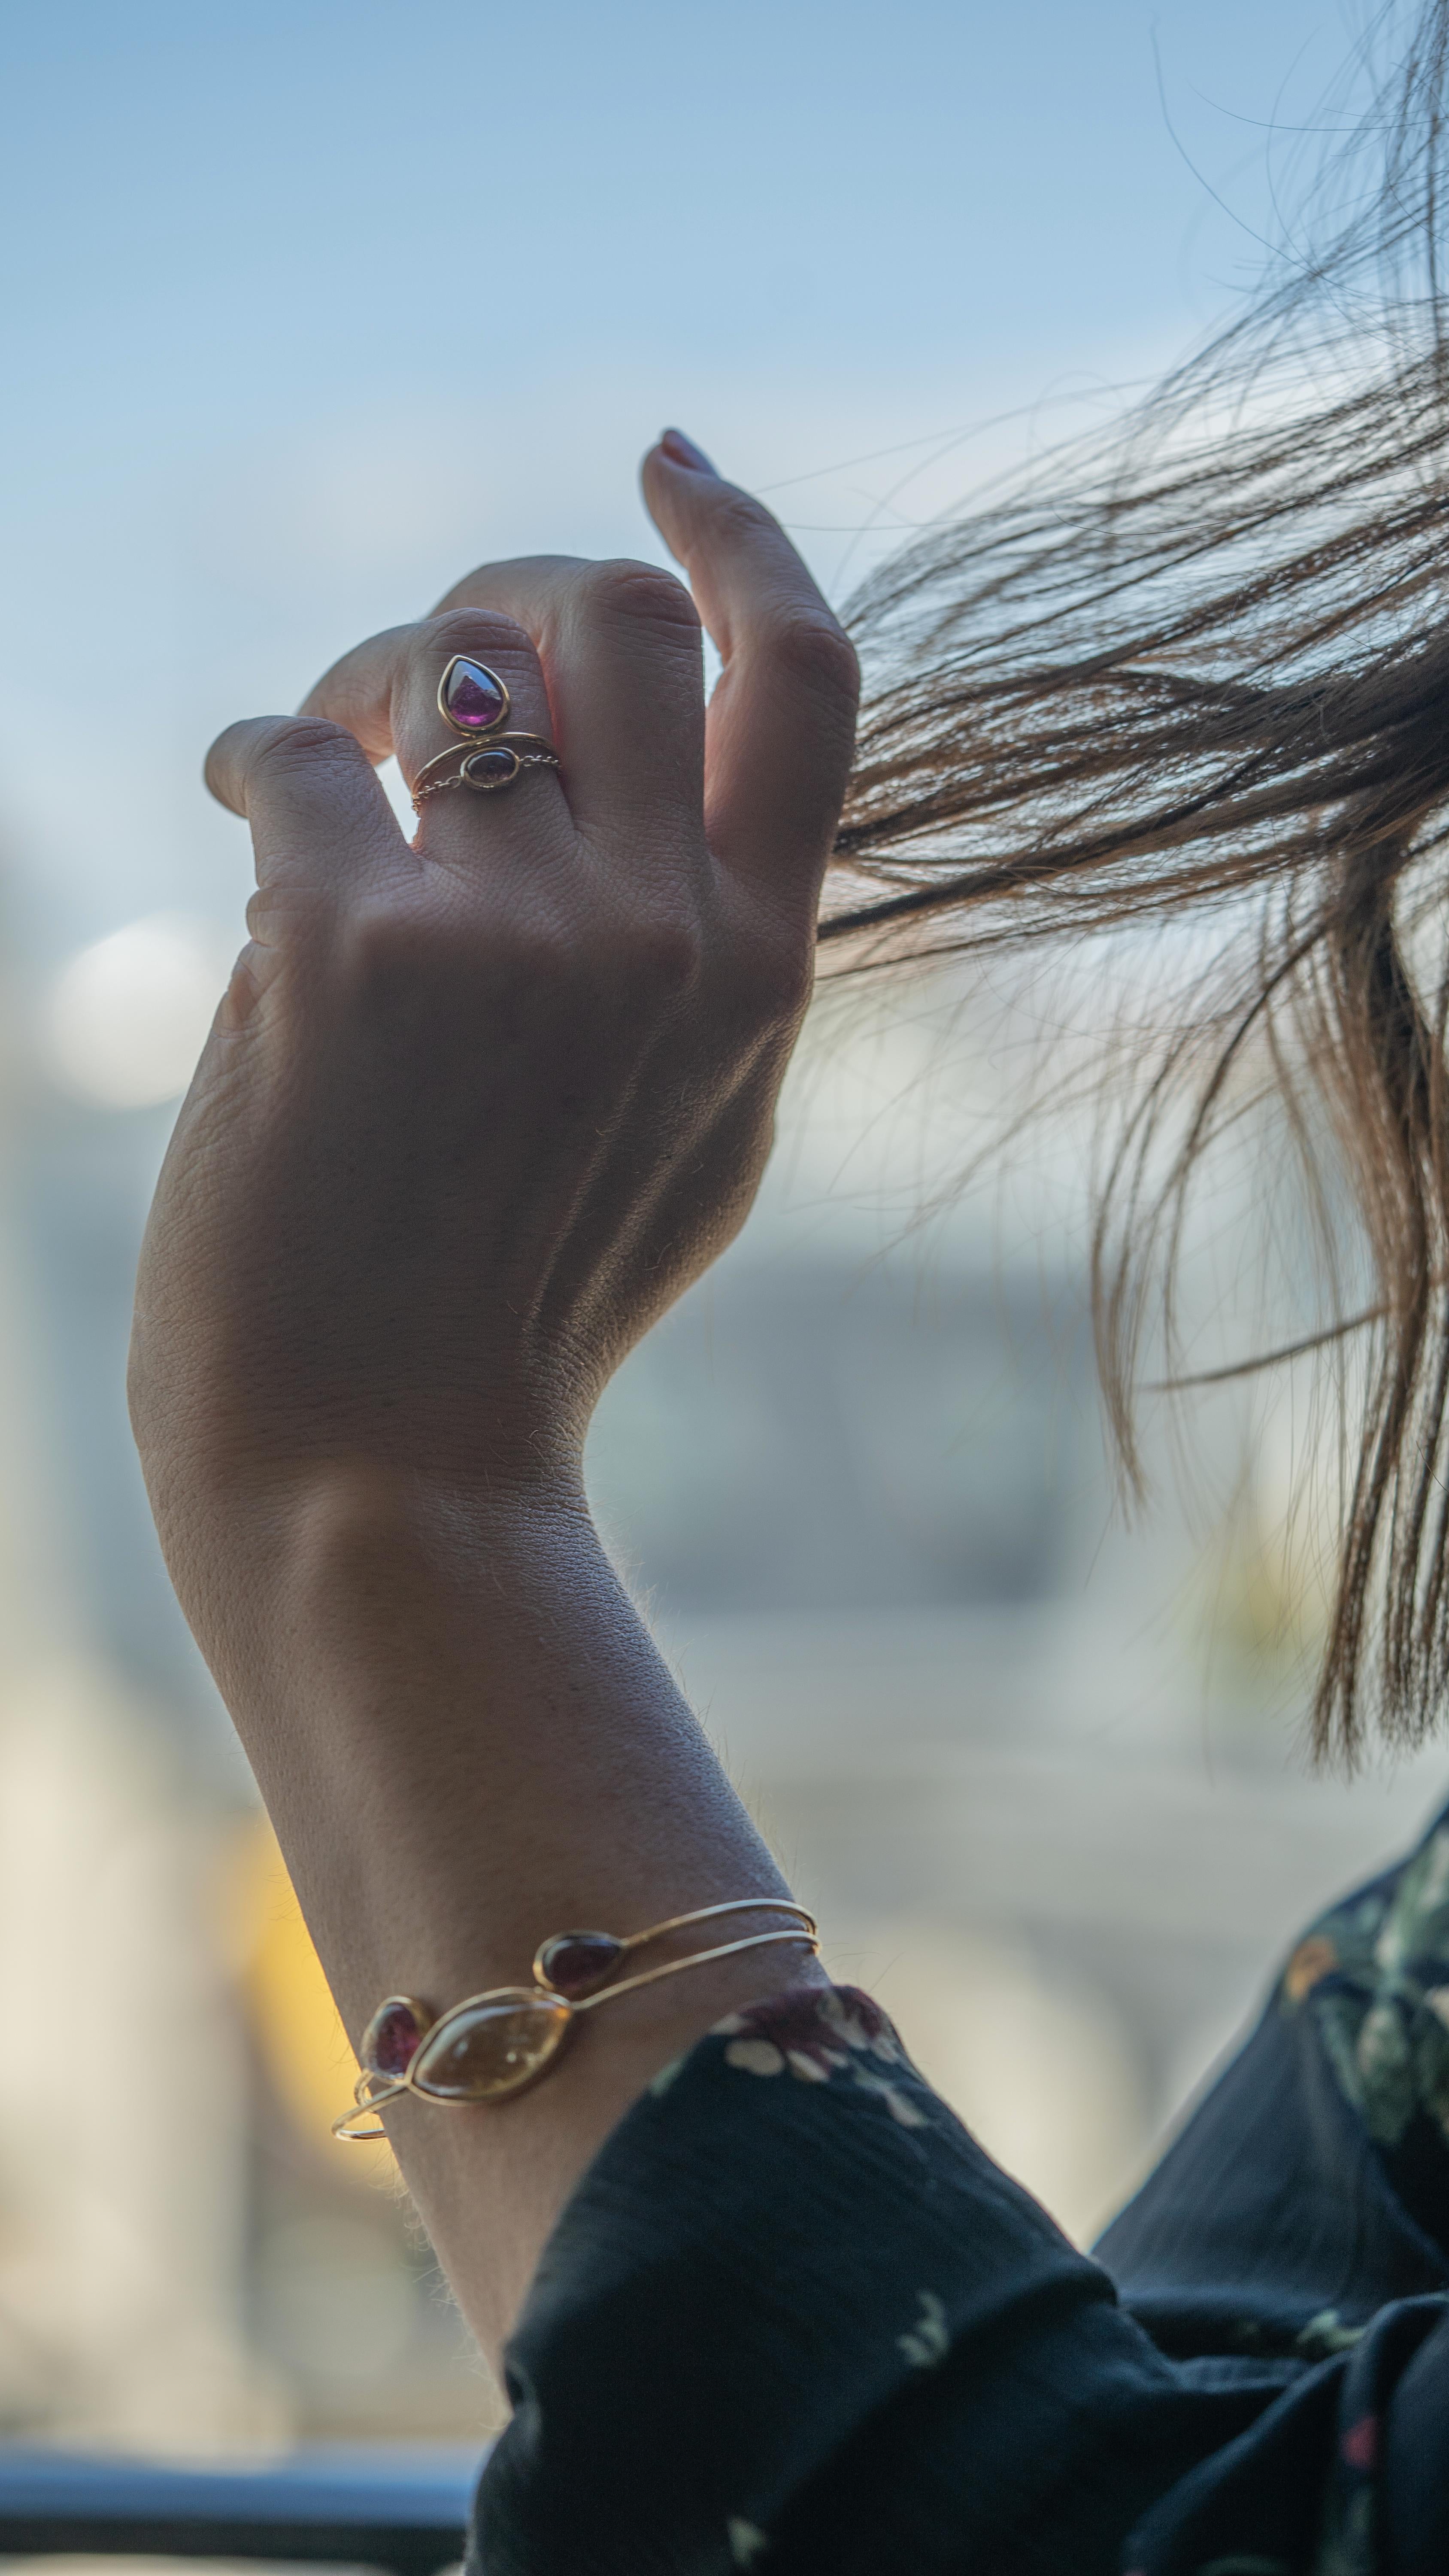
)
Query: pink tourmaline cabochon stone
[
  {"x": 391, "y": 2039},
  {"x": 473, "y": 696},
  {"x": 574, "y": 1963}
]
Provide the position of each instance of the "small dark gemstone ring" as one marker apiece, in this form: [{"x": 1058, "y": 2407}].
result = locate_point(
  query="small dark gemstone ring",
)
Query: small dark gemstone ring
[{"x": 493, "y": 765}]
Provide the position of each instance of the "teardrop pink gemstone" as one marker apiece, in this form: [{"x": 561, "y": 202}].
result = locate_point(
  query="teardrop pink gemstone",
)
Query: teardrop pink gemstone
[
  {"x": 393, "y": 2036},
  {"x": 574, "y": 1963},
  {"x": 473, "y": 696}
]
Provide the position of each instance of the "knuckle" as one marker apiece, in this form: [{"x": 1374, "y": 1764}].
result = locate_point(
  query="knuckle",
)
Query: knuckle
[
  {"x": 779, "y": 977},
  {"x": 396, "y": 956},
  {"x": 414, "y": 983},
  {"x": 736, "y": 516},
  {"x": 402, "y": 958},
  {"x": 377, "y": 946},
  {"x": 475, "y": 587},
  {"x": 269, "y": 913},
  {"x": 297, "y": 748},
  {"x": 480, "y": 632},
  {"x": 291, "y": 905},
  {"x": 669, "y": 955},
  {"x": 364, "y": 944},
  {"x": 641, "y": 592},
  {"x": 653, "y": 956},
  {"x": 811, "y": 649}
]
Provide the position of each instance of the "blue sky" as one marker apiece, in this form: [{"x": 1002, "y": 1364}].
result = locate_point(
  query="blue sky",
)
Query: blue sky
[{"x": 305, "y": 307}]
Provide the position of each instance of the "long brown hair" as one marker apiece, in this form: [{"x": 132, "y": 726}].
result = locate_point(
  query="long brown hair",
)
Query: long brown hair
[{"x": 1204, "y": 666}]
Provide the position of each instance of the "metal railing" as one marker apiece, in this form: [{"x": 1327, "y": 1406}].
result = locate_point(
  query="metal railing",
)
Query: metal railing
[{"x": 400, "y": 2509}]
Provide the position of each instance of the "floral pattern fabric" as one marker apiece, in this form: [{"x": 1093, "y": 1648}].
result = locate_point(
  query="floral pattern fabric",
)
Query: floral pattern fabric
[
  {"x": 795, "y": 2320},
  {"x": 1373, "y": 1975}
]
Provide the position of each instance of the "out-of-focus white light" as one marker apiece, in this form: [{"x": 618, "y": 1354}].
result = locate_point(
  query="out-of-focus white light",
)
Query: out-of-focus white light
[{"x": 126, "y": 1018}]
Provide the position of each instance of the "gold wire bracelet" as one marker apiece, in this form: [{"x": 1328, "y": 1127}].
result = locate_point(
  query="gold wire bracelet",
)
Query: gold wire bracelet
[{"x": 492, "y": 2045}]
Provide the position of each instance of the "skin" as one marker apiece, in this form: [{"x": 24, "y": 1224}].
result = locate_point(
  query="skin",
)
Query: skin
[{"x": 473, "y": 1113}]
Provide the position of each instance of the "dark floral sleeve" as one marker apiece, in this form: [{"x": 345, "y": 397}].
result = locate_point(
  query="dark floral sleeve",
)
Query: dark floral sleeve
[
  {"x": 1373, "y": 1979},
  {"x": 795, "y": 2319}
]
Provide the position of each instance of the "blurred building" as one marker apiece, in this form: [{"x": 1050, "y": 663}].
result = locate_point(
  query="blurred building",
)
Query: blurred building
[{"x": 124, "y": 2101}]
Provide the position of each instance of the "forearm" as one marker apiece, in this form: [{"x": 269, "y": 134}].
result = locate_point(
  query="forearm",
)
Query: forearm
[{"x": 467, "y": 1740}]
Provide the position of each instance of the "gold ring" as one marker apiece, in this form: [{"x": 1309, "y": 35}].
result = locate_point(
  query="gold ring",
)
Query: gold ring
[
  {"x": 492, "y": 765},
  {"x": 474, "y": 701}
]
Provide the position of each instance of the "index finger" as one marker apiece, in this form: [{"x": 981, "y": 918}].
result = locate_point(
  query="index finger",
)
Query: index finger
[
  {"x": 315, "y": 806},
  {"x": 780, "y": 734}
]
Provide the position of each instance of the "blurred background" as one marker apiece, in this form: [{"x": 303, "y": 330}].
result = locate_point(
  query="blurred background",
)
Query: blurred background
[{"x": 303, "y": 309}]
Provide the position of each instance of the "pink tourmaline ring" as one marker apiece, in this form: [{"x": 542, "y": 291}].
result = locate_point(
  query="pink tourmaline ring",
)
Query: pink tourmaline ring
[
  {"x": 471, "y": 698},
  {"x": 474, "y": 702},
  {"x": 492, "y": 2045}
]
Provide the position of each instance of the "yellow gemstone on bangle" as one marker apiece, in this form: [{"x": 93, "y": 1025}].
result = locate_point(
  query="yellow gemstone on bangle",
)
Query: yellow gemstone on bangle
[{"x": 491, "y": 2045}]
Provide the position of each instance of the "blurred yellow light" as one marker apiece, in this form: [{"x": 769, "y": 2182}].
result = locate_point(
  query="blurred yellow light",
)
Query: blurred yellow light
[{"x": 307, "y": 2052}]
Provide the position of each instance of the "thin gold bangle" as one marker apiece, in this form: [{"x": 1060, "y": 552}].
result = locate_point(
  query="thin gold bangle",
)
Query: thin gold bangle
[
  {"x": 626, "y": 1941},
  {"x": 513, "y": 2034},
  {"x": 700, "y": 1959}
]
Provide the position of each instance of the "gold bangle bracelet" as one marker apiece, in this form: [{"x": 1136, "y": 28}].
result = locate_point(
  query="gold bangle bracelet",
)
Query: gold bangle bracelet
[{"x": 492, "y": 2045}]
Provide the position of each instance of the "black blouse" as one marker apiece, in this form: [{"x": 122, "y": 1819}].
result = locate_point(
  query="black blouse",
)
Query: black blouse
[{"x": 795, "y": 2319}]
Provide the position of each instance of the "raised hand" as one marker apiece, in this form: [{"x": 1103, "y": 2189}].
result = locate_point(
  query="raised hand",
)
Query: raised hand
[{"x": 477, "y": 1109}]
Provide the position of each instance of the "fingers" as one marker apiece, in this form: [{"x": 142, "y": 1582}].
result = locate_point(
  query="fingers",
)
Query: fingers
[
  {"x": 604, "y": 660},
  {"x": 619, "y": 644},
  {"x": 781, "y": 728},
  {"x": 314, "y": 805}
]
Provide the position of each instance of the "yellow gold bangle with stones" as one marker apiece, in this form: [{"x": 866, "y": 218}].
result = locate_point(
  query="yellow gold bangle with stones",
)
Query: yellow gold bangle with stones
[{"x": 493, "y": 2045}]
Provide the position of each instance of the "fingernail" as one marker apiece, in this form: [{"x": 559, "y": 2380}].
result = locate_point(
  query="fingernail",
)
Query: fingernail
[{"x": 683, "y": 451}]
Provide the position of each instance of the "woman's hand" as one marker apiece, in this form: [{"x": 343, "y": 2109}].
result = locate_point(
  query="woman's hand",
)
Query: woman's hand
[
  {"x": 473, "y": 1112},
  {"x": 476, "y": 1110}
]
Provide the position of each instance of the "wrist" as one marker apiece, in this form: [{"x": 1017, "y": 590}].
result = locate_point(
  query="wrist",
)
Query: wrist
[
  {"x": 289, "y": 1578},
  {"x": 370, "y": 1549}
]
